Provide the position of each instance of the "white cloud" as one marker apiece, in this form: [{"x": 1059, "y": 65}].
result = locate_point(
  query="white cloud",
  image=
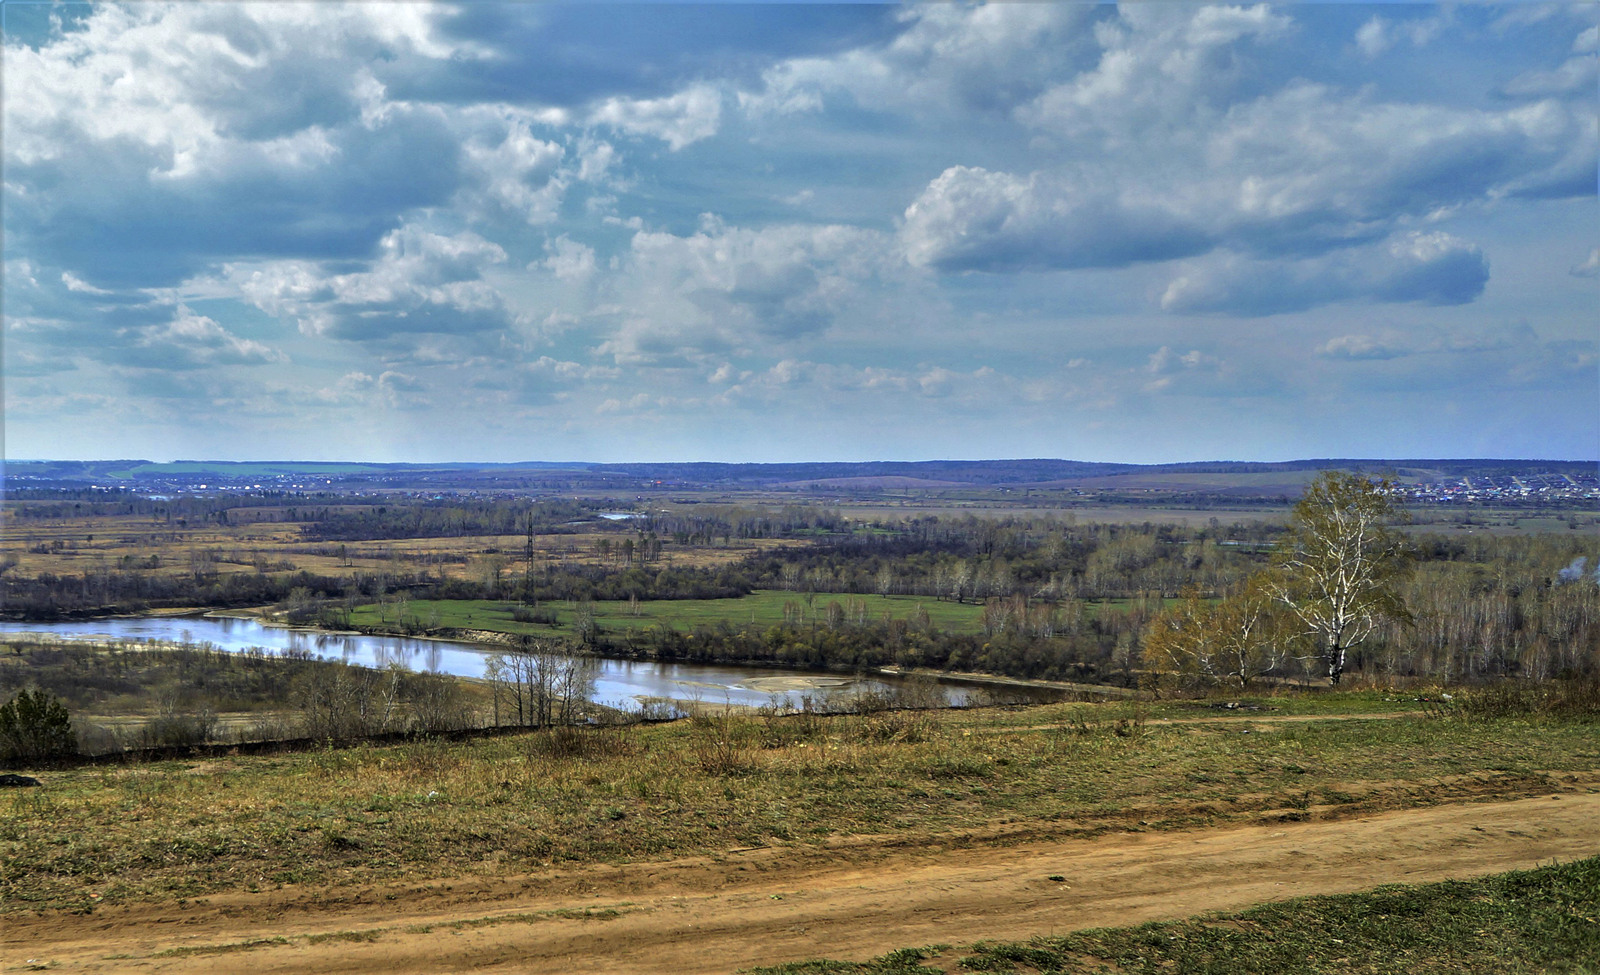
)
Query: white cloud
[
  {"x": 1513, "y": 357},
  {"x": 972, "y": 219},
  {"x": 1576, "y": 76},
  {"x": 1189, "y": 371},
  {"x": 1305, "y": 170},
  {"x": 596, "y": 159},
  {"x": 1429, "y": 268},
  {"x": 678, "y": 120},
  {"x": 732, "y": 287},
  {"x": 188, "y": 81},
  {"x": 1373, "y": 38},
  {"x": 74, "y": 283},
  {"x": 520, "y": 172},
  {"x": 420, "y": 282},
  {"x": 974, "y": 58},
  {"x": 1164, "y": 71},
  {"x": 191, "y": 341},
  {"x": 1395, "y": 343},
  {"x": 1380, "y": 33},
  {"x": 568, "y": 259}
]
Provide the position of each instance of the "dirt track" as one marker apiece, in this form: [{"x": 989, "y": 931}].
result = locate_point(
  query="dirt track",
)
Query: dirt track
[{"x": 772, "y": 905}]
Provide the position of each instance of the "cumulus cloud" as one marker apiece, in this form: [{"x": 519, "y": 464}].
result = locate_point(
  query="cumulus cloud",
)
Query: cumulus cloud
[
  {"x": 196, "y": 340},
  {"x": 182, "y": 340},
  {"x": 678, "y": 120},
  {"x": 791, "y": 377},
  {"x": 520, "y": 172},
  {"x": 568, "y": 259},
  {"x": 513, "y": 220},
  {"x": 145, "y": 123},
  {"x": 1309, "y": 164},
  {"x": 970, "y": 219},
  {"x": 977, "y": 58},
  {"x": 1191, "y": 163},
  {"x": 187, "y": 81},
  {"x": 1429, "y": 268},
  {"x": 420, "y": 282},
  {"x": 1163, "y": 71},
  {"x": 728, "y": 287}
]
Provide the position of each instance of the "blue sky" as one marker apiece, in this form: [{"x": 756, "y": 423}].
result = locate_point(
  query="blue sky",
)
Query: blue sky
[{"x": 1153, "y": 232}]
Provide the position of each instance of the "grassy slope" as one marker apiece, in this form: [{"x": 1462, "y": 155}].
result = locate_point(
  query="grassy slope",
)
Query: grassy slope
[
  {"x": 1545, "y": 920},
  {"x": 437, "y": 808}
]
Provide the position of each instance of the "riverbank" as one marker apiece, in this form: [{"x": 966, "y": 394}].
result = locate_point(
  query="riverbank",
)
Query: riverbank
[
  {"x": 617, "y": 682},
  {"x": 802, "y": 679}
]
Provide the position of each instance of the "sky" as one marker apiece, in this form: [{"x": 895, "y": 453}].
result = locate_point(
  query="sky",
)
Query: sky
[{"x": 786, "y": 232}]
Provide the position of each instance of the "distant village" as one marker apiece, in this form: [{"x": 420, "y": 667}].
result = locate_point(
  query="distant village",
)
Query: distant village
[{"x": 1504, "y": 488}]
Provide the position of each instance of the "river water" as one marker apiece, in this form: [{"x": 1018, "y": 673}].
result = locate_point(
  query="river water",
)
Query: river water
[{"x": 620, "y": 682}]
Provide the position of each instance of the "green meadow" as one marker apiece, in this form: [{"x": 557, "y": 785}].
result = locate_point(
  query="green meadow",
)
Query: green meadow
[{"x": 761, "y": 608}]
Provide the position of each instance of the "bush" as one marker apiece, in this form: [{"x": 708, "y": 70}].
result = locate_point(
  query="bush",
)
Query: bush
[
  {"x": 35, "y": 727},
  {"x": 173, "y": 729},
  {"x": 1576, "y": 698}
]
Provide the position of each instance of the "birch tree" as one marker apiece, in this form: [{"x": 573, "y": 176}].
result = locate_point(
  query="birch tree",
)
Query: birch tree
[
  {"x": 1338, "y": 566},
  {"x": 1234, "y": 640},
  {"x": 537, "y": 683}
]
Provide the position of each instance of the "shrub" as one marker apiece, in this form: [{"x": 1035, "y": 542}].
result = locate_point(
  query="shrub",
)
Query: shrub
[
  {"x": 35, "y": 727},
  {"x": 174, "y": 729},
  {"x": 1576, "y": 698}
]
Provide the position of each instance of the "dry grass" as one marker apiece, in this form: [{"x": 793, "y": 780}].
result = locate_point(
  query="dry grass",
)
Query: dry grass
[
  {"x": 78, "y": 545},
  {"x": 429, "y": 808}
]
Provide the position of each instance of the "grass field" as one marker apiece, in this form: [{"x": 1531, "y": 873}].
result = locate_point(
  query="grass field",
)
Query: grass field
[
  {"x": 150, "y": 832},
  {"x": 1545, "y": 920},
  {"x": 761, "y": 608},
  {"x": 259, "y": 539}
]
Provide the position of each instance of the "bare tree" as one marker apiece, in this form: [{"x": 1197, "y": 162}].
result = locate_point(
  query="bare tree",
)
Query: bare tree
[
  {"x": 1236, "y": 639},
  {"x": 539, "y": 682},
  {"x": 344, "y": 701}
]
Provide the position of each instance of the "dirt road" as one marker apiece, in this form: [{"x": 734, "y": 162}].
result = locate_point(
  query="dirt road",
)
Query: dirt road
[{"x": 772, "y": 905}]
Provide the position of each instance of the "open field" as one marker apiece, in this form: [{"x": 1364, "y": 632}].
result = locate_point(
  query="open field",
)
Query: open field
[
  {"x": 900, "y": 509},
  {"x": 261, "y": 541},
  {"x": 1503, "y": 522},
  {"x": 761, "y": 608},
  {"x": 711, "y": 844}
]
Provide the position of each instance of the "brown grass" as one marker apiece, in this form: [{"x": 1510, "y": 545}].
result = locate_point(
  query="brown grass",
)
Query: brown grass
[
  {"x": 88, "y": 544},
  {"x": 435, "y": 808}
]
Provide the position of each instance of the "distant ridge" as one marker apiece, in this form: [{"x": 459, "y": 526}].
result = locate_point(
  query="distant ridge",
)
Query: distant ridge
[
  {"x": 871, "y": 475},
  {"x": 1041, "y": 470}
]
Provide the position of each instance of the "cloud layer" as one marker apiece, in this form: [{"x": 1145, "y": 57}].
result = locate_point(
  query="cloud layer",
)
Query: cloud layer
[{"x": 730, "y": 232}]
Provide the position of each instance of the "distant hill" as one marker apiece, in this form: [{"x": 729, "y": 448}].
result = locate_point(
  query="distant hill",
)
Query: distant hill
[
  {"x": 1059, "y": 473},
  {"x": 1209, "y": 477}
]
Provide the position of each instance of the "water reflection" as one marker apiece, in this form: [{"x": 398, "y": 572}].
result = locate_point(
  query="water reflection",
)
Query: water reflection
[{"x": 618, "y": 681}]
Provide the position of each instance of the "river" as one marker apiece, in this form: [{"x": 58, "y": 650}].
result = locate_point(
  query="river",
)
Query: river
[{"x": 619, "y": 682}]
